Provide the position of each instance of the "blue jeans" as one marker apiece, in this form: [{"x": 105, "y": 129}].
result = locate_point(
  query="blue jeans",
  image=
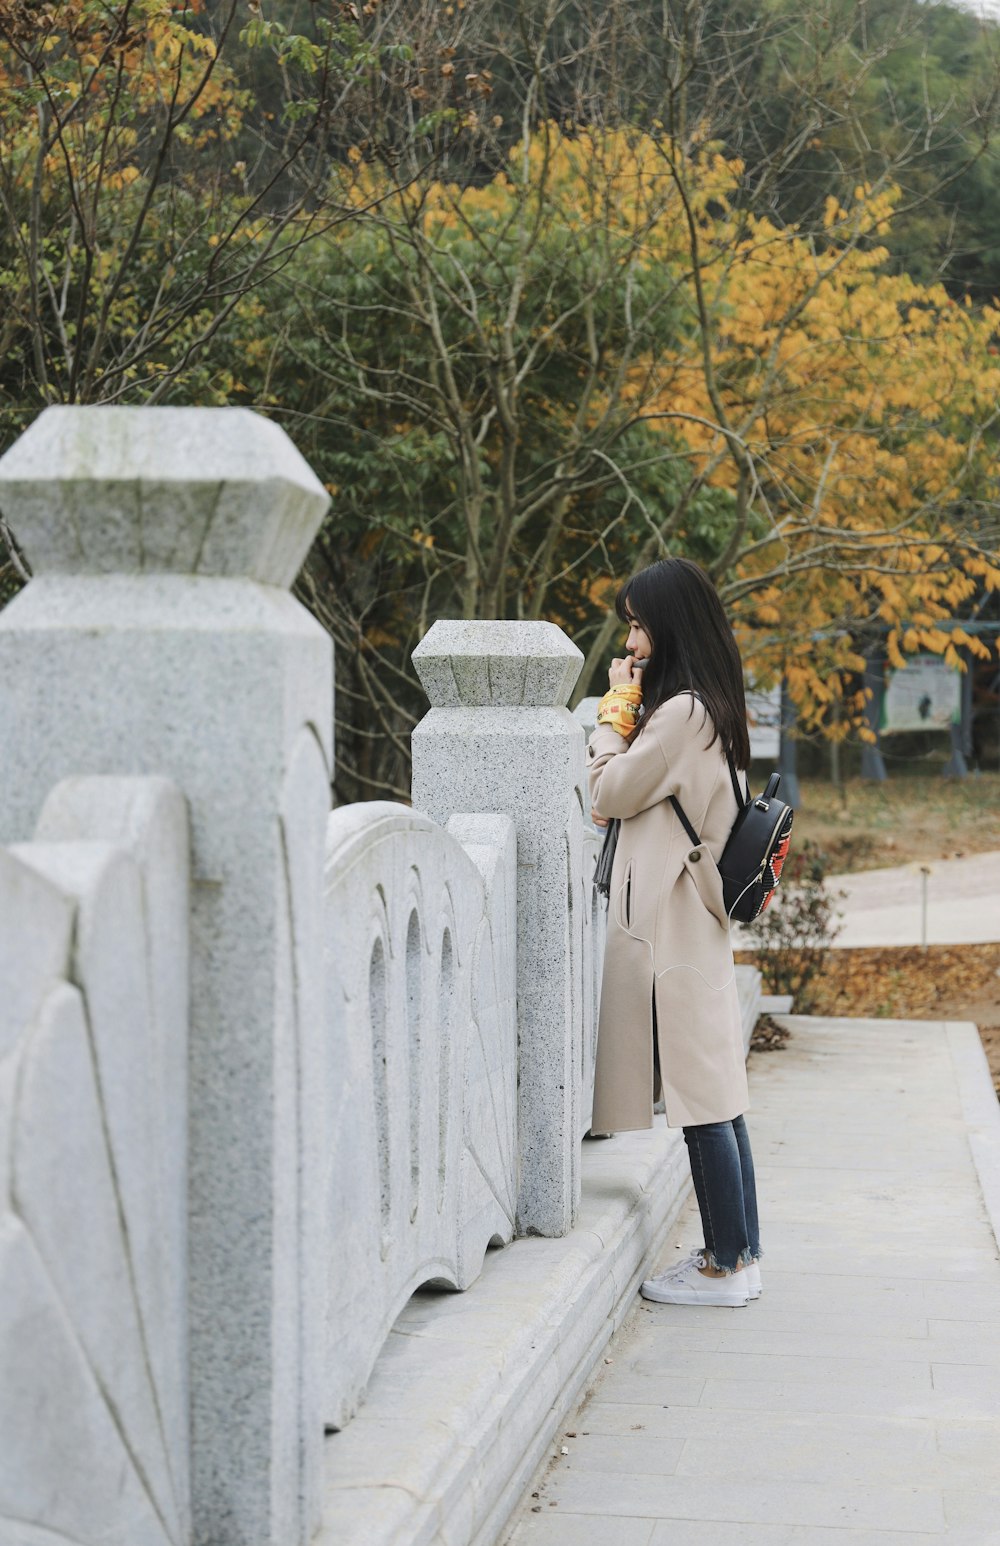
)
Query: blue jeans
[{"x": 722, "y": 1171}]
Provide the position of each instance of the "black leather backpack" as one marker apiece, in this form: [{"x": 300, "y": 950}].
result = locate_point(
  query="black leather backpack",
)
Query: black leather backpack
[{"x": 755, "y": 849}]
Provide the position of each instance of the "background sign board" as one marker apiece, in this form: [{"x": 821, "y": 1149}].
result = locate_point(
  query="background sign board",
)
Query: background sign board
[
  {"x": 927, "y": 695},
  {"x": 764, "y": 719}
]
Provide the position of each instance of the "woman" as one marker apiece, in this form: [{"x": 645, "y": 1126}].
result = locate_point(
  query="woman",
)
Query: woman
[{"x": 670, "y": 1016}]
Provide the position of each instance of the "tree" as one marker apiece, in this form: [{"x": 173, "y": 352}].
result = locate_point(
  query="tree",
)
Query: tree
[
  {"x": 146, "y": 193},
  {"x": 534, "y": 341},
  {"x": 457, "y": 366},
  {"x": 519, "y": 391}
]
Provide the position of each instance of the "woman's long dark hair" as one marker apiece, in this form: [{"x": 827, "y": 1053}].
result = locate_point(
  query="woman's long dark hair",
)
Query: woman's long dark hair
[{"x": 693, "y": 647}]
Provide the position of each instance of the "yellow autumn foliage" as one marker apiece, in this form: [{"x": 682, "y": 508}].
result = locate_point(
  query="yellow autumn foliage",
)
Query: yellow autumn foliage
[
  {"x": 126, "y": 76},
  {"x": 855, "y": 404}
]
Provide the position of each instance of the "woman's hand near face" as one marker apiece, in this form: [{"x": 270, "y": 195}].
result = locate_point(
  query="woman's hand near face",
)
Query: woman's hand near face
[{"x": 623, "y": 672}]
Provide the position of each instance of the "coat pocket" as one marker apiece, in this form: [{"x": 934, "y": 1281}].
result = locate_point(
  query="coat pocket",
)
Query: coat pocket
[
  {"x": 627, "y": 907},
  {"x": 704, "y": 871}
]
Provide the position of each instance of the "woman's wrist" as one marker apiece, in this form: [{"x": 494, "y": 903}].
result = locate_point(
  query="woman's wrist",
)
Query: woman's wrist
[{"x": 620, "y": 706}]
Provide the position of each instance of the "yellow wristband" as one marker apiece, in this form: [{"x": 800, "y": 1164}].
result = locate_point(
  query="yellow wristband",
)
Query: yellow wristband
[
  {"x": 619, "y": 711},
  {"x": 628, "y": 697}
]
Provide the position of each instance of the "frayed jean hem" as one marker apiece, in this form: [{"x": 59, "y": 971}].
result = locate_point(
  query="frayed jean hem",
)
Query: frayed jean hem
[{"x": 744, "y": 1259}]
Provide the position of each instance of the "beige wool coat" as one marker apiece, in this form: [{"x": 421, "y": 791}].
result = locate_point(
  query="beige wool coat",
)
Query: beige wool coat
[{"x": 667, "y": 927}]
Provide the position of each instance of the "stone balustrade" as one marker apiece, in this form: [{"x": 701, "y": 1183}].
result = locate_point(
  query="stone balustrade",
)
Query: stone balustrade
[
  {"x": 264, "y": 1069},
  {"x": 94, "y": 1398},
  {"x": 421, "y": 1016}
]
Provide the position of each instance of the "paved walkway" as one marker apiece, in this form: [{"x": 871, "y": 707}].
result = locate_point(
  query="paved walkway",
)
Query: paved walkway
[
  {"x": 857, "y": 1402},
  {"x": 884, "y": 907}
]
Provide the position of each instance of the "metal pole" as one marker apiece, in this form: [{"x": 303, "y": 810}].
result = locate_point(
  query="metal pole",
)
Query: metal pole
[{"x": 924, "y": 877}]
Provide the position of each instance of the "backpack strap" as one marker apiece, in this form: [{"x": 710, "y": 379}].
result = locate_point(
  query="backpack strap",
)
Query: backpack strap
[
  {"x": 741, "y": 798},
  {"x": 678, "y": 807}
]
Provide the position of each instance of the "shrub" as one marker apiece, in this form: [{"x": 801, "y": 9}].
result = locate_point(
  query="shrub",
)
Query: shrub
[{"x": 796, "y": 931}]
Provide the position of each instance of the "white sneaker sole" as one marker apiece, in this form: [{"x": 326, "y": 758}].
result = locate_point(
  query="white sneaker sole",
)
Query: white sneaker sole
[{"x": 728, "y": 1299}]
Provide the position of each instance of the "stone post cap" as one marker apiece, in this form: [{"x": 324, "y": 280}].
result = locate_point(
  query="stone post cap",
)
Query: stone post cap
[
  {"x": 478, "y": 664},
  {"x": 207, "y": 491}
]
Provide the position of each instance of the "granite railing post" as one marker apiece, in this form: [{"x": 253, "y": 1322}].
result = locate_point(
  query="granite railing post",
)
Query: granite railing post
[
  {"x": 158, "y": 636},
  {"x": 498, "y": 738}
]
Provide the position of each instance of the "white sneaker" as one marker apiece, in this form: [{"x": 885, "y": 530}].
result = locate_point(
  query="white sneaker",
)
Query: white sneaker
[
  {"x": 685, "y": 1284},
  {"x": 752, "y": 1270}
]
